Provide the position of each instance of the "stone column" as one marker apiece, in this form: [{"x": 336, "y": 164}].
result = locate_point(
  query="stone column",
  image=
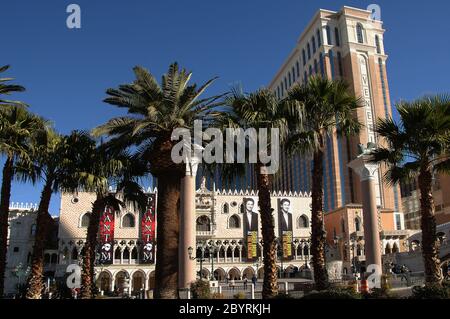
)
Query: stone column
[
  {"x": 367, "y": 173},
  {"x": 187, "y": 266}
]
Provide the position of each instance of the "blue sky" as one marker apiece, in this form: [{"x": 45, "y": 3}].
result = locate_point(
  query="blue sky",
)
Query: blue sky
[{"x": 67, "y": 71}]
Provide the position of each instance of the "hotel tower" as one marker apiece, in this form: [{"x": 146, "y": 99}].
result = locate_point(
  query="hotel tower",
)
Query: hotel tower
[{"x": 345, "y": 45}]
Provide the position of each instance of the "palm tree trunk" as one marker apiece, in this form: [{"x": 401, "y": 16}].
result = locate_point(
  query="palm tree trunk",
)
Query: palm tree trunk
[
  {"x": 317, "y": 223},
  {"x": 270, "y": 285},
  {"x": 4, "y": 213},
  {"x": 167, "y": 218},
  {"x": 430, "y": 249},
  {"x": 87, "y": 272},
  {"x": 35, "y": 283}
]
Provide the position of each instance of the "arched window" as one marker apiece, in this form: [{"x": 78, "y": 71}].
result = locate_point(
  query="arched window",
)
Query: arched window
[
  {"x": 304, "y": 57},
  {"x": 359, "y": 33},
  {"x": 290, "y": 79},
  {"x": 203, "y": 223},
  {"x": 303, "y": 222},
  {"x": 308, "y": 48},
  {"x": 128, "y": 220},
  {"x": 336, "y": 36},
  {"x": 377, "y": 44},
  {"x": 229, "y": 253},
  {"x": 306, "y": 250},
  {"x": 313, "y": 41},
  {"x": 234, "y": 222},
  {"x": 328, "y": 35},
  {"x": 226, "y": 208},
  {"x": 319, "y": 41},
  {"x": 134, "y": 253},
  {"x": 242, "y": 208},
  {"x": 293, "y": 74},
  {"x": 395, "y": 248},
  {"x": 310, "y": 70},
  {"x": 357, "y": 224},
  {"x": 117, "y": 254},
  {"x": 74, "y": 254},
  {"x": 316, "y": 67},
  {"x": 126, "y": 254},
  {"x": 85, "y": 220},
  {"x": 388, "y": 249},
  {"x": 297, "y": 67}
]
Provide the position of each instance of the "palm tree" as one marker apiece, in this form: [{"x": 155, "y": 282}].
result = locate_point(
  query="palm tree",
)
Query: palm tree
[
  {"x": 326, "y": 106},
  {"x": 154, "y": 112},
  {"x": 56, "y": 163},
  {"x": 417, "y": 146},
  {"x": 107, "y": 169},
  {"x": 261, "y": 110},
  {"x": 7, "y": 89},
  {"x": 17, "y": 127}
]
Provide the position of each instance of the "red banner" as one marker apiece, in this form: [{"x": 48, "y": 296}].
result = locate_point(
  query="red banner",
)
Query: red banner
[
  {"x": 148, "y": 223},
  {"x": 107, "y": 236}
]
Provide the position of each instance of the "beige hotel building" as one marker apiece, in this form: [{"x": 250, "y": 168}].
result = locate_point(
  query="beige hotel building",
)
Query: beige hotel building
[{"x": 346, "y": 45}]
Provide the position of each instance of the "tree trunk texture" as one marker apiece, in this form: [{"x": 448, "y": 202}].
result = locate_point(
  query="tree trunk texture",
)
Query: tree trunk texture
[
  {"x": 317, "y": 224},
  {"x": 4, "y": 213},
  {"x": 35, "y": 283},
  {"x": 430, "y": 248},
  {"x": 87, "y": 271},
  {"x": 167, "y": 219},
  {"x": 270, "y": 284}
]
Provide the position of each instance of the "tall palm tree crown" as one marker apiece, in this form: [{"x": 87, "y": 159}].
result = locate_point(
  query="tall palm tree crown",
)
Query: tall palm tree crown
[
  {"x": 326, "y": 107},
  {"x": 7, "y": 89},
  {"x": 154, "y": 111},
  {"x": 418, "y": 146},
  {"x": 17, "y": 127},
  {"x": 260, "y": 110}
]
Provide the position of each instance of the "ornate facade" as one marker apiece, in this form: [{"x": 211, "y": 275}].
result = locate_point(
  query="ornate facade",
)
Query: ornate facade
[{"x": 222, "y": 247}]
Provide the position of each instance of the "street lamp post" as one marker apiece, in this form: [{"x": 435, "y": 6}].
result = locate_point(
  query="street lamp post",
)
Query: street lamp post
[
  {"x": 201, "y": 259},
  {"x": 212, "y": 251}
]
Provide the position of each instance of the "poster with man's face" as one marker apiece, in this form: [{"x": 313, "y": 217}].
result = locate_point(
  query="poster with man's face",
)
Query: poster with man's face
[
  {"x": 250, "y": 225},
  {"x": 285, "y": 226},
  {"x": 285, "y": 215}
]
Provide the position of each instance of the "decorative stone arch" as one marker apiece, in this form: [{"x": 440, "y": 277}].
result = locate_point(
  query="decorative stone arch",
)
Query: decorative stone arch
[
  {"x": 203, "y": 223},
  {"x": 138, "y": 278},
  {"x": 248, "y": 273},
  {"x": 83, "y": 219},
  {"x": 225, "y": 208},
  {"x": 128, "y": 220},
  {"x": 260, "y": 273},
  {"x": 234, "y": 222},
  {"x": 234, "y": 273},
  {"x": 302, "y": 221},
  {"x": 120, "y": 280},
  {"x": 219, "y": 274},
  {"x": 388, "y": 249},
  {"x": 151, "y": 279},
  {"x": 205, "y": 273},
  {"x": 104, "y": 280}
]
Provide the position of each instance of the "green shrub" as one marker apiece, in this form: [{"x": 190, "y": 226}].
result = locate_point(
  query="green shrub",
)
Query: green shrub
[
  {"x": 283, "y": 295},
  {"x": 217, "y": 295},
  {"x": 200, "y": 289},
  {"x": 431, "y": 292},
  {"x": 239, "y": 295},
  {"x": 334, "y": 293}
]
